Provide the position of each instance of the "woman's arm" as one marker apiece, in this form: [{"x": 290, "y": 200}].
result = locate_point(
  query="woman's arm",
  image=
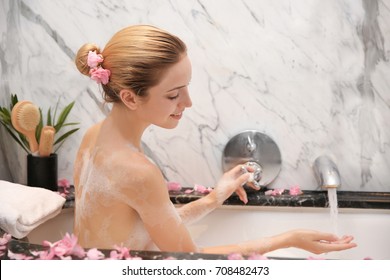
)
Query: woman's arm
[
  {"x": 313, "y": 241},
  {"x": 146, "y": 192}
]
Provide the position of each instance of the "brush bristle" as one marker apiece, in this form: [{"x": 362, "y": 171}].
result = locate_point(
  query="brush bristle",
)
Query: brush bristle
[{"x": 28, "y": 117}]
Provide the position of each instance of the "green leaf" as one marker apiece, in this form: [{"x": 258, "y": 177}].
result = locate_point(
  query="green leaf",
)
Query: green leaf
[
  {"x": 5, "y": 115},
  {"x": 62, "y": 117},
  {"x": 61, "y": 140},
  {"x": 14, "y": 100},
  {"x": 15, "y": 137},
  {"x": 68, "y": 124},
  {"x": 65, "y": 135},
  {"x": 55, "y": 110},
  {"x": 49, "y": 120},
  {"x": 38, "y": 130}
]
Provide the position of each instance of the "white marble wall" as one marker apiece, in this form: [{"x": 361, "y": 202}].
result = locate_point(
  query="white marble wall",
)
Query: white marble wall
[{"x": 312, "y": 74}]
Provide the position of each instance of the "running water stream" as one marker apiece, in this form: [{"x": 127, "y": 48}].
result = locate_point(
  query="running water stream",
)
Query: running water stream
[{"x": 332, "y": 197}]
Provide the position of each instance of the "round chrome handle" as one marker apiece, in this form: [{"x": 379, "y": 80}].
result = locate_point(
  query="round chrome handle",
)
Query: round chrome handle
[{"x": 253, "y": 147}]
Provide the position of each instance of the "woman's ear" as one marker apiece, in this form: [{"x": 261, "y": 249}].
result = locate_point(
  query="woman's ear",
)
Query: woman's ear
[{"x": 129, "y": 98}]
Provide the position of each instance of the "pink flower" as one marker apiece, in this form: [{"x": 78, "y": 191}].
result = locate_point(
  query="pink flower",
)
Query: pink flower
[
  {"x": 100, "y": 75},
  {"x": 188, "y": 191},
  {"x": 3, "y": 243},
  {"x": 121, "y": 253},
  {"x": 173, "y": 186},
  {"x": 66, "y": 246},
  {"x": 43, "y": 255},
  {"x": 63, "y": 183},
  {"x": 274, "y": 192},
  {"x": 235, "y": 256},
  {"x": 202, "y": 189},
  {"x": 94, "y": 254},
  {"x": 295, "y": 190},
  {"x": 5, "y": 239},
  {"x": 94, "y": 59}
]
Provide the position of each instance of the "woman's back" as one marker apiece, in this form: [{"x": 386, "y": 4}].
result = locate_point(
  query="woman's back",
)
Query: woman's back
[{"x": 103, "y": 215}]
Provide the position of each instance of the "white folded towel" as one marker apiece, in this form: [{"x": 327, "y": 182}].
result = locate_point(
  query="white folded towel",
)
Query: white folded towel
[{"x": 23, "y": 208}]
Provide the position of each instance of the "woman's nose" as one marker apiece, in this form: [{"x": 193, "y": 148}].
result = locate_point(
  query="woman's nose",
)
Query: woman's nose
[{"x": 186, "y": 101}]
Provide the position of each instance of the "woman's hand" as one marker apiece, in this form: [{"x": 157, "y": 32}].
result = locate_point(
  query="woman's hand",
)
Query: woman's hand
[
  {"x": 232, "y": 181},
  {"x": 319, "y": 242}
]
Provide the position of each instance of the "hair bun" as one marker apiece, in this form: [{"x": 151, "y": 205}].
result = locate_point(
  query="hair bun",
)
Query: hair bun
[{"x": 82, "y": 56}]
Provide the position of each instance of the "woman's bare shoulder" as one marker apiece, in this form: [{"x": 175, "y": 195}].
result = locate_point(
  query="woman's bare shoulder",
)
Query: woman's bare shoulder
[{"x": 133, "y": 168}]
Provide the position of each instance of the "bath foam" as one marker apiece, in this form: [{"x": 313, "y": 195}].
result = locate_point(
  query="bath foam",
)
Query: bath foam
[
  {"x": 95, "y": 184},
  {"x": 191, "y": 213}
]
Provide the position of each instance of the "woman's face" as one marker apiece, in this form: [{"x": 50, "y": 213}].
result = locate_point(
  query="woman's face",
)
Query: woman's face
[{"x": 167, "y": 101}]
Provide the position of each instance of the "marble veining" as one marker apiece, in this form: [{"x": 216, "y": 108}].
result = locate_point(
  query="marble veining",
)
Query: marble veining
[{"x": 313, "y": 75}]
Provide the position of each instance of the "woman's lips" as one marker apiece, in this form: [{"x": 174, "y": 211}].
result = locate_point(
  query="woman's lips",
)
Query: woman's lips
[{"x": 177, "y": 116}]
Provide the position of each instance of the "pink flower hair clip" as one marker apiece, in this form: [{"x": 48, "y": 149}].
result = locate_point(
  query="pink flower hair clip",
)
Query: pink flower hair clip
[{"x": 97, "y": 72}]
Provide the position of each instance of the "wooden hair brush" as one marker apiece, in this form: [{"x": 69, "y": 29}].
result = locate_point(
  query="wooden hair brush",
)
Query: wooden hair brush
[
  {"x": 25, "y": 118},
  {"x": 46, "y": 141}
]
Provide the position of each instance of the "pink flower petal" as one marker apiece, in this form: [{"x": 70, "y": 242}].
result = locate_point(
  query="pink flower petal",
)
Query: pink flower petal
[
  {"x": 174, "y": 186},
  {"x": 43, "y": 255},
  {"x": 114, "y": 255},
  {"x": 295, "y": 190},
  {"x": 94, "y": 254},
  {"x": 66, "y": 246},
  {"x": 269, "y": 192},
  {"x": 274, "y": 192},
  {"x": 63, "y": 183},
  {"x": 202, "y": 189},
  {"x": 94, "y": 59},
  {"x": 5, "y": 239},
  {"x": 235, "y": 256},
  {"x": 100, "y": 75},
  {"x": 120, "y": 253}
]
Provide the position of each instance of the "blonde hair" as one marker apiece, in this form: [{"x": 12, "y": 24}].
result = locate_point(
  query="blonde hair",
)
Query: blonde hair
[{"x": 136, "y": 56}]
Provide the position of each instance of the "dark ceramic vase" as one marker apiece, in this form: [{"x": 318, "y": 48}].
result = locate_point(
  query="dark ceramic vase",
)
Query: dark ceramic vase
[{"x": 42, "y": 172}]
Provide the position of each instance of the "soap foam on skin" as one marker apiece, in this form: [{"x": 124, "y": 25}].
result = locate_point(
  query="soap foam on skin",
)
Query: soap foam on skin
[
  {"x": 100, "y": 195},
  {"x": 190, "y": 215},
  {"x": 97, "y": 191}
]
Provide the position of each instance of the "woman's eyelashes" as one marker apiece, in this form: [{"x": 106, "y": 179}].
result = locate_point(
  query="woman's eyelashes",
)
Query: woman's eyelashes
[{"x": 173, "y": 97}]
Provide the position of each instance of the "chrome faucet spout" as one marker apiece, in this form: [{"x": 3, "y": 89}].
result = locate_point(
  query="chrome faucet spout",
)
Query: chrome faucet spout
[{"x": 326, "y": 172}]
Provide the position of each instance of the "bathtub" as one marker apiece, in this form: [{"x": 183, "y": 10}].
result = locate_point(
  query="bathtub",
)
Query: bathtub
[{"x": 231, "y": 224}]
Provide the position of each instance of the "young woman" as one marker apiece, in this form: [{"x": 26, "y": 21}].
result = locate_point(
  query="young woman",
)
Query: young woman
[{"x": 121, "y": 197}]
